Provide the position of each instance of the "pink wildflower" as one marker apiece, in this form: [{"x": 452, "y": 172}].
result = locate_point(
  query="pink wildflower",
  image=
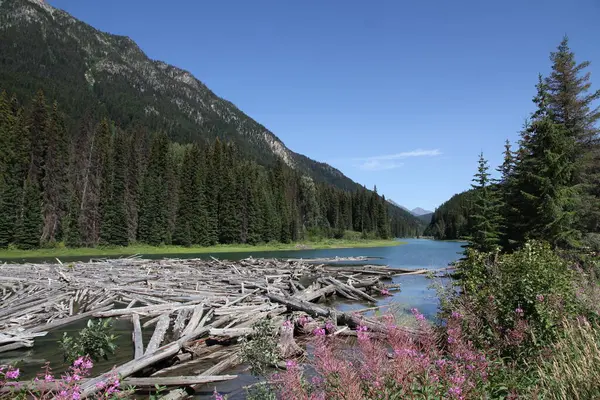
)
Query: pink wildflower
[
  {"x": 519, "y": 311},
  {"x": 319, "y": 332},
  {"x": 329, "y": 326},
  {"x": 385, "y": 292},
  {"x": 218, "y": 396},
  {"x": 417, "y": 314},
  {"x": 291, "y": 364},
  {"x": 288, "y": 324},
  {"x": 456, "y": 315},
  {"x": 48, "y": 378},
  {"x": 12, "y": 373}
]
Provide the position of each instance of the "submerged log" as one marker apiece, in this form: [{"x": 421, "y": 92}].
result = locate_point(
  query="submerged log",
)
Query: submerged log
[{"x": 138, "y": 344}]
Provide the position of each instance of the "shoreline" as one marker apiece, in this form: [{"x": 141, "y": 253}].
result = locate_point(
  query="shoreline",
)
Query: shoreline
[{"x": 12, "y": 254}]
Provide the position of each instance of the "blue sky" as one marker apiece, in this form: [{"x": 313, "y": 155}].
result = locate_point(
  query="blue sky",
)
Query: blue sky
[{"x": 399, "y": 94}]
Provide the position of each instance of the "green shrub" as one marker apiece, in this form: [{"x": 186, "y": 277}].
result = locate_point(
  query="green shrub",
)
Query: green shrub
[
  {"x": 515, "y": 299},
  {"x": 96, "y": 340},
  {"x": 261, "y": 352}
]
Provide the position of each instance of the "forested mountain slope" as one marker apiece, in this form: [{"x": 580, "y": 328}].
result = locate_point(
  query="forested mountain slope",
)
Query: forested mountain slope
[
  {"x": 101, "y": 145},
  {"x": 89, "y": 71}
]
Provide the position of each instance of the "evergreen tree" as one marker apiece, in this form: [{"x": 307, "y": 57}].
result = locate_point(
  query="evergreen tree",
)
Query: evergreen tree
[
  {"x": 38, "y": 121},
  {"x": 213, "y": 181},
  {"x": 72, "y": 230},
  {"x": 114, "y": 216},
  {"x": 29, "y": 226},
  {"x": 13, "y": 178},
  {"x": 55, "y": 176},
  {"x": 571, "y": 104},
  {"x": 505, "y": 187},
  {"x": 546, "y": 195},
  {"x": 153, "y": 217},
  {"x": 486, "y": 218},
  {"x": 191, "y": 224}
]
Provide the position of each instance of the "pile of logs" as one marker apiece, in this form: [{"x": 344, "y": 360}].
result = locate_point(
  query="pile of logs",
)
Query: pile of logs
[{"x": 197, "y": 308}]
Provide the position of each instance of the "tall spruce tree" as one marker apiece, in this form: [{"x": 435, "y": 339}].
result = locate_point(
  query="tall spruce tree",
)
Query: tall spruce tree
[
  {"x": 191, "y": 223},
  {"x": 29, "y": 226},
  {"x": 114, "y": 215},
  {"x": 55, "y": 176},
  {"x": 154, "y": 218},
  {"x": 571, "y": 103},
  {"x": 505, "y": 187},
  {"x": 485, "y": 236},
  {"x": 545, "y": 190}
]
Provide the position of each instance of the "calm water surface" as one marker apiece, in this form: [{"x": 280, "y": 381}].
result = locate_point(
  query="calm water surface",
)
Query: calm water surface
[{"x": 415, "y": 292}]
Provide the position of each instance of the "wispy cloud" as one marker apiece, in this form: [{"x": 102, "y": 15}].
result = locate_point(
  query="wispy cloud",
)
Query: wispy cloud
[{"x": 390, "y": 161}]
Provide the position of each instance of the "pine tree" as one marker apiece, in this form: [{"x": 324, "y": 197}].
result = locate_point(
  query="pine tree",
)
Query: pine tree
[
  {"x": 38, "y": 121},
  {"x": 546, "y": 195},
  {"x": 213, "y": 181},
  {"x": 191, "y": 223},
  {"x": 7, "y": 195},
  {"x": 505, "y": 187},
  {"x": 29, "y": 226},
  {"x": 55, "y": 176},
  {"x": 114, "y": 216},
  {"x": 229, "y": 219},
  {"x": 154, "y": 218},
  {"x": 72, "y": 230},
  {"x": 15, "y": 175},
  {"x": 571, "y": 104},
  {"x": 485, "y": 235}
]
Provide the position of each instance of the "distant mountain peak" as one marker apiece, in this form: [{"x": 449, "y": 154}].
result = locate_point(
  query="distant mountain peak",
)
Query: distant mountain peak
[{"x": 420, "y": 211}]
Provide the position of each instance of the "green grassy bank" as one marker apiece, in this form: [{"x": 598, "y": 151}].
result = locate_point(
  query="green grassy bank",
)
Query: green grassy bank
[{"x": 59, "y": 252}]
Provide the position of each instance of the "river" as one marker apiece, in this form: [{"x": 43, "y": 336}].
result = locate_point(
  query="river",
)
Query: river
[{"x": 415, "y": 292}]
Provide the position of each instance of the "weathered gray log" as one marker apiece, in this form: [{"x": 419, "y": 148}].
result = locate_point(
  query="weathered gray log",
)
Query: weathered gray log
[
  {"x": 194, "y": 320},
  {"x": 137, "y": 382},
  {"x": 57, "y": 323},
  {"x": 230, "y": 332},
  {"x": 351, "y": 289},
  {"x": 295, "y": 304},
  {"x": 131, "y": 367},
  {"x": 229, "y": 363},
  {"x": 312, "y": 295},
  {"x": 138, "y": 344},
  {"x": 178, "y": 380},
  {"x": 159, "y": 334}
]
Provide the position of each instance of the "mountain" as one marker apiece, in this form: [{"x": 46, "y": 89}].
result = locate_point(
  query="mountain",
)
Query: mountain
[
  {"x": 89, "y": 71},
  {"x": 426, "y": 218},
  {"x": 92, "y": 75},
  {"x": 419, "y": 211}
]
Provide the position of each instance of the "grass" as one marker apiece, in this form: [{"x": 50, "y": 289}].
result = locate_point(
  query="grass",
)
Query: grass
[{"x": 6, "y": 254}]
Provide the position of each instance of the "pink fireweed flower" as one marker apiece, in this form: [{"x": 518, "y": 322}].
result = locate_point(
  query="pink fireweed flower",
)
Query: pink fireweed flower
[
  {"x": 456, "y": 315},
  {"x": 519, "y": 311},
  {"x": 319, "y": 332},
  {"x": 417, "y": 314},
  {"x": 218, "y": 396},
  {"x": 361, "y": 331},
  {"x": 455, "y": 392},
  {"x": 48, "y": 378},
  {"x": 329, "y": 326},
  {"x": 12, "y": 373},
  {"x": 385, "y": 292},
  {"x": 291, "y": 364},
  {"x": 288, "y": 324}
]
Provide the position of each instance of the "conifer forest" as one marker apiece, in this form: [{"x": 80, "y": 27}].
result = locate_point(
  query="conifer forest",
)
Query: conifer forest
[{"x": 97, "y": 184}]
